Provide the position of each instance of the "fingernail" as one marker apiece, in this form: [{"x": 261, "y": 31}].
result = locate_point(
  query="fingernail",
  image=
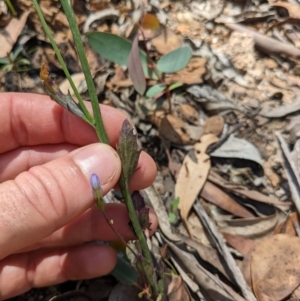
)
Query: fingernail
[{"x": 97, "y": 159}]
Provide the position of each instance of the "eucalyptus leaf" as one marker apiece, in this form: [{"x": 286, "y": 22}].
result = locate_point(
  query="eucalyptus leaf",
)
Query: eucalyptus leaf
[
  {"x": 135, "y": 68},
  {"x": 175, "y": 60},
  {"x": 155, "y": 90},
  {"x": 117, "y": 49},
  {"x": 239, "y": 148}
]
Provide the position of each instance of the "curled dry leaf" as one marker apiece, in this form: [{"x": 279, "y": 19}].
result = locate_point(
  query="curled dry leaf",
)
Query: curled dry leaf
[
  {"x": 250, "y": 227},
  {"x": 288, "y": 226},
  {"x": 188, "y": 113},
  {"x": 192, "y": 176},
  {"x": 177, "y": 290},
  {"x": 215, "y": 195},
  {"x": 275, "y": 269},
  {"x": 235, "y": 147},
  {"x": 293, "y": 9},
  {"x": 171, "y": 127}
]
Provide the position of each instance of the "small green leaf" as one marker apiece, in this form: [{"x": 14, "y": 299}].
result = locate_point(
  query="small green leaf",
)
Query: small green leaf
[
  {"x": 155, "y": 90},
  {"x": 4, "y": 60},
  {"x": 172, "y": 217},
  {"x": 116, "y": 49},
  {"x": 175, "y": 86},
  {"x": 135, "y": 68},
  {"x": 128, "y": 151},
  {"x": 175, "y": 60},
  {"x": 174, "y": 204},
  {"x": 124, "y": 272},
  {"x": 23, "y": 61}
]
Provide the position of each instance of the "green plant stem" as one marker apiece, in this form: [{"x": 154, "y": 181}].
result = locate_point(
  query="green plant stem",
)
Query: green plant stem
[
  {"x": 99, "y": 127},
  {"x": 140, "y": 234},
  {"x": 153, "y": 67},
  {"x": 62, "y": 63},
  {"x": 152, "y": 64},
  {"x": 10, "y": 7}
]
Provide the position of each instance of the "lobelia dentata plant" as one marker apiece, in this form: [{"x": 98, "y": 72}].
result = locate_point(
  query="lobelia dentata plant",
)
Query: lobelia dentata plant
[{"x": 128, "y": 151}]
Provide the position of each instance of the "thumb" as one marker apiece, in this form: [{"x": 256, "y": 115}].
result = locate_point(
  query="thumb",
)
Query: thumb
[{"x": 45, "y": 198}]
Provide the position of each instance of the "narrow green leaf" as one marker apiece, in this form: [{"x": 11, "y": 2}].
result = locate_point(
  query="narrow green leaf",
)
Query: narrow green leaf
[
  {"x": 23, "y": 61},
  {"x": 116, "y": 49},
  {"x": 155, "y": 90},
  {"x": 174, "y": 204},
  {"x": 4, "y": 60},
  {"x": 175, "y": 60},
  {"x": 175, "y": 86},
  {"x": 135, "y": 68},
  {"x": 124, "y": 272}
]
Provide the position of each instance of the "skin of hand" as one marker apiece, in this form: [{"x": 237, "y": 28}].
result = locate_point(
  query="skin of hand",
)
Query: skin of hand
[{"x": 47, "y": 209}]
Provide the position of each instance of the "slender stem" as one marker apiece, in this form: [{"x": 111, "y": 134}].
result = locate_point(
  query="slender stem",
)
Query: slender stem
[
  {"x": 152, "y": 64},
  {"x": 136, "y": 225},
  {"x": 141, "y": 237},
  {"x": 10, "y": 6},
  {"x": 66, "y": 4},
  {"x": 119, "y": 235},
  {"x": 153, "y": 68},
  {"x": 62, "y": 63}
]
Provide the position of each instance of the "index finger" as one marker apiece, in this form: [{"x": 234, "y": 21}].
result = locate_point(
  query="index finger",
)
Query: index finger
[{"x": 32, "y": 119}]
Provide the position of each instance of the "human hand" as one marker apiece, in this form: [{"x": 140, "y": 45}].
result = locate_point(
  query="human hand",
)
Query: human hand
[{"x": 47, "y": 209}]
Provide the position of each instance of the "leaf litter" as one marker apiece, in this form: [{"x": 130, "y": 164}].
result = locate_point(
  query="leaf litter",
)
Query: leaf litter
[{"x": 229, "y": 148}]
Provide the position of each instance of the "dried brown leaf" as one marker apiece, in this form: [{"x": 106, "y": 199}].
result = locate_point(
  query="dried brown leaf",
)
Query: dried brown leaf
[
  {"x": 192, "y": 175},
  {"x": 250, "y": 227},
  {"x": 288, "y": 226},
  {"x": 214, "y": 125},
  {"x": 215, "y": 195},
  {"x": 11, "y": 34},
  {"x": 293, "y": 9},
  {"x": 240, "y": 243},
  {"x": 166, "y": 41},
  {"x": 177, "y": 290},
  {"x": 171, "y": 127},
  {"x": 191, "y": 74},
  {"x": 275, "y": 269}
]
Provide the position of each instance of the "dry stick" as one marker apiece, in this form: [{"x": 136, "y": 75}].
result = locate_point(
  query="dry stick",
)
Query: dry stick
[
  {"x": 224, "y": 251},
  {"x": 291, "y": 172},
  {"x": 206, "y": 280},
  {"x": 265, "y": 43}
]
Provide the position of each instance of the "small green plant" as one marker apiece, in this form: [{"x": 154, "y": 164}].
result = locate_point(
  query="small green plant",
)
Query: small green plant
[
  {"x": 14, "y": 61},
  {"x": 173, "y": 209},
  {"x": 140, "y": 64}
]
